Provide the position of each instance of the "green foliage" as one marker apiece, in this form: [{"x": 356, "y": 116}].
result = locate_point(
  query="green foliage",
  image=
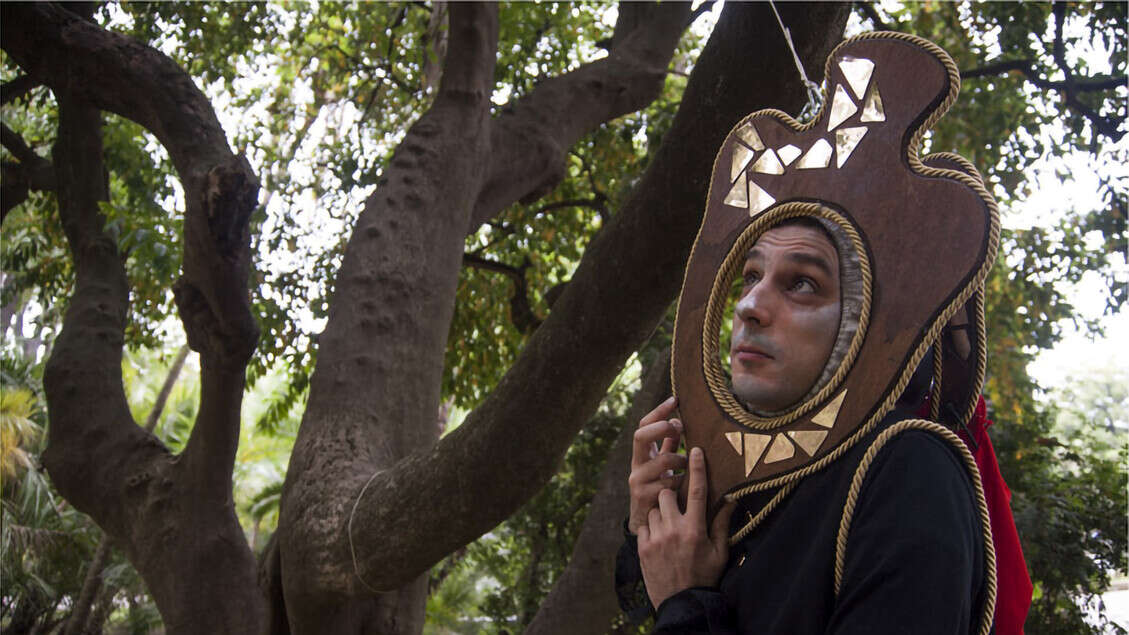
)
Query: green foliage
[
  {"x": 1069, "y": 501},
  {"x": 45, "y": 544}
]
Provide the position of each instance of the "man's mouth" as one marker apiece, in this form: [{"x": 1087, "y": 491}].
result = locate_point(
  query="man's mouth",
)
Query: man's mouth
[{"x": 749, "y": 353}]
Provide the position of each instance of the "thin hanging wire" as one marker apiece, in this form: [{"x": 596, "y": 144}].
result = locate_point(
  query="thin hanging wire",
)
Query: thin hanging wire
[{"x": 815, "y": 95}]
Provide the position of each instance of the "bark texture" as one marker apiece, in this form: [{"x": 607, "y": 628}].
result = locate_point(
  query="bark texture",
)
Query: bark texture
[
  {"x": 582, "y": 601},
  {"x": 173, "y": 516},
  {"x": 375, "y": 390}
]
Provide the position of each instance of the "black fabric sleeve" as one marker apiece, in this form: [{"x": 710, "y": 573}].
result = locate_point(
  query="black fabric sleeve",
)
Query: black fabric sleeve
[
  {"x": 629, "y": 588},
  {"x": 915, "y": 547},
  {"x": 695, "y": 611}
]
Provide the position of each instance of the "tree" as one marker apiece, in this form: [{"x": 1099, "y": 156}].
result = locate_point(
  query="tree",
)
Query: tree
[
  {"x": 376, "y": 385},
  {"x": 414, "y": 315}
]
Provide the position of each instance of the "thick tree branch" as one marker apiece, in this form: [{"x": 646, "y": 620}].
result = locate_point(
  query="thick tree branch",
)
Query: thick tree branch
[
  {"x": 32, "y": 172},
  {"x": 16, "y": 145},
  {"x": 116, "y": 73},
  {"x": 18, "y": 87},
  {"x": 531, "y": 136},
  {"x": 85, "y": 397},
  {"x": 438, "y": 500},
  {"x": 702, "y": 9}
]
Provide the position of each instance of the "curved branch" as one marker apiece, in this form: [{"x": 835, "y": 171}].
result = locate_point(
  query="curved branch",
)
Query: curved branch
[
  {"x": 114, "y": 72},
  {"x": 18, "y": 147},
  {"x": 532, "y": 135},
  {"x": 16, "y": 88},
  {"x": 521, "y": 311}
]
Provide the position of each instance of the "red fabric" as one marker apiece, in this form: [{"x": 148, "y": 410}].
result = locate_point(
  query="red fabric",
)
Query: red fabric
[
  {"x": 1013, "y": 592},
  {"x": 1013, "y": 596}
]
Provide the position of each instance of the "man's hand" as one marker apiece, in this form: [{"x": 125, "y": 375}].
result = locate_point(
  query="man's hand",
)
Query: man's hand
[
  {"x": 675, "y": 551},
  {"x": 653, "y": 460}
]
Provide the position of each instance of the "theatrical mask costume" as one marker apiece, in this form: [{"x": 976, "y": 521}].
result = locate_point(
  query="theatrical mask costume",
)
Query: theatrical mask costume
[{"x": 857, "y": 511}]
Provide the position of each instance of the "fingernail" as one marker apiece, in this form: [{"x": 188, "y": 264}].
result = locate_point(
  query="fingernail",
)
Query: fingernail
[
  {"x": 677, "y": 423},
  {"x": 669, "y": 399},
  {"x": 696, "y": 453}
]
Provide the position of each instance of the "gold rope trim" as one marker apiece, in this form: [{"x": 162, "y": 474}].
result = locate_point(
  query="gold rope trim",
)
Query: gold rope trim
[
  {"x": 938, "y": 376},
  {"x": 755, "y": 521},
  {"x": 719, "y": 293},
  {"x": 978, "y": 307},
  {"x": 981, "y": 356},
  {"x": 985, "y": 520}
]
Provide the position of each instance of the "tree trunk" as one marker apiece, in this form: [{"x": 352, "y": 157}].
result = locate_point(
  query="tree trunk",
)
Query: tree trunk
[
  {"x": 375, "y": 390},
  {"x": 77, "y": 623},
  {"x": 173, "y": 516}
]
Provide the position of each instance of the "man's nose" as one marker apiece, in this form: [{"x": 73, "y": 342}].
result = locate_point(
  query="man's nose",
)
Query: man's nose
[{"x": 756, "y": 305}]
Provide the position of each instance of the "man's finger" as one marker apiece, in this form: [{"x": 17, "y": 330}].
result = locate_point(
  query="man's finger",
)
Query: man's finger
[
  {"x": 645, "y": 439},
  {"x": 662, "y": 411},
  {"x": 668, "y": 505},
  {"x": 699, "y": 486},
  {"x": 657, "y": 468}
]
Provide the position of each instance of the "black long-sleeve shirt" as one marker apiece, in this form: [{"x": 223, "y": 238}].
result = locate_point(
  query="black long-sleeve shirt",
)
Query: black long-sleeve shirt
[{"x": 914, "y": 561}]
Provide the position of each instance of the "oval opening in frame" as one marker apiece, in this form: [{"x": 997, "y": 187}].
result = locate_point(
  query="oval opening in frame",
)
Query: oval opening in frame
[{"x": 855, "y": 285}]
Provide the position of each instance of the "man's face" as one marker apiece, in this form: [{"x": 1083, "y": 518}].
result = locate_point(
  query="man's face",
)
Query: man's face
[{"x": 787, "y": 319}]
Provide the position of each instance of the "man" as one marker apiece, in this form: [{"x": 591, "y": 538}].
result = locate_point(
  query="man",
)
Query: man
[{"x": 915, "y": 562}]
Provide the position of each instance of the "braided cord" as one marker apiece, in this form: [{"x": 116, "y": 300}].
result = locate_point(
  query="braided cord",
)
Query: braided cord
[
  {"x": 938, "y": 377},
  {"x": 755, "y": 521},
  {"x": 970, "y": 464}
]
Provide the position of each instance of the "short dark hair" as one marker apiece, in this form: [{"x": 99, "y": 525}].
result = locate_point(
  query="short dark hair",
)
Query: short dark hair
[{"x": 811, "y": 222}]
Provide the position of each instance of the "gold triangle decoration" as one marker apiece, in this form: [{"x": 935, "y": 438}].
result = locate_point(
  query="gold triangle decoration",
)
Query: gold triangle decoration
[
  {"x": 781, "y": 450},
  {"x": 741, "y": 158},
  {"x": 759, "y": 200},
  {"x": 809, "y": 440},
  {"x": 754, "y": 446},
  {"x": 845, "y": 142},
  {"x": 748, "y": 134},
  {"x": 857, "y": 71},
  {"x": 842, "y": 107},
  {"x": 768, "y": 164},
  {"x": 830, "y": 412},
  {"x": 818, "y": 156},
  {"x": 738, "y": 195},
  {"x": 734, "y": 439},
  {"x": 788, "y": 154},
  {"x": 872, "y": 110}
]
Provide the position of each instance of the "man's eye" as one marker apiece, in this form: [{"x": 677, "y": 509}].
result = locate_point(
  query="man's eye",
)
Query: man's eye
[
  {"x": 751, "y": 278},
  {"x": 803, "y": 285}
]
